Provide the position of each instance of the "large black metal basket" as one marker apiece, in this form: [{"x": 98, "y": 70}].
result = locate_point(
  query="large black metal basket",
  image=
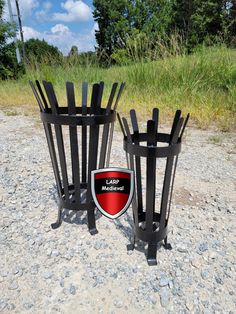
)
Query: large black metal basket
[
  {"x": 81, "y": 125},
  {"x": 151, "y": 224}
]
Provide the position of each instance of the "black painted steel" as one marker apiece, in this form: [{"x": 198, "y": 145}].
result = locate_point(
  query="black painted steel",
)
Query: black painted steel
[
  {"x": 82, "y": 125},
  {"x": 151, "y": 223}
]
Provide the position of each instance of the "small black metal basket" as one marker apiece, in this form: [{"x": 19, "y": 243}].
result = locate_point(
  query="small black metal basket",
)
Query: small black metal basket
[
  {"x": 151, "y": 224},
  {"x": 80, "y": 127}
]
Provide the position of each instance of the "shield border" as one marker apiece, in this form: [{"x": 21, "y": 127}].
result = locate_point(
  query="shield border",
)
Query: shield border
[{"x": 131, "y": 172}]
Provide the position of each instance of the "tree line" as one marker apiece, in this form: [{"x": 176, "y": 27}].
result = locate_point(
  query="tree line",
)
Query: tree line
[
  {"x": 125, "y": 24},
  {"x": 194, "y": 20}
]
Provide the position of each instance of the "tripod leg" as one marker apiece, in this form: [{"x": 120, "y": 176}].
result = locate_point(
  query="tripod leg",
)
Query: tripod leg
[
  {"x": 91, "y": 222},
  {"x": 57, "y": 224},
  {"x": 167, "y": 245},
  {"x": 151, "y": 254}
]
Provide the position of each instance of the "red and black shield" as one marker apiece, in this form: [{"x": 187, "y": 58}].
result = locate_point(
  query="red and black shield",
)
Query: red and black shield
[{"x": 112, "y": 190}]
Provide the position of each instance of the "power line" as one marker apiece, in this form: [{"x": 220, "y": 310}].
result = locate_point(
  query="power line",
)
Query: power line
[
  {"x": 18, "y": 56},
  {"x": 21, "y": 30}
]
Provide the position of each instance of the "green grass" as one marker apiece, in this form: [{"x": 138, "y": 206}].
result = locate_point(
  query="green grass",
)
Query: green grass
[
  {"x": 203, "y": 83},
  {"x": 215, "y": 139}
]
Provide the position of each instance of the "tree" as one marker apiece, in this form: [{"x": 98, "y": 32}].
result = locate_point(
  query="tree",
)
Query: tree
[
  {"x": 8, "y": 65},
  {"x": 73, "y": 52},
  {"x": 120, "y": 20},
  {"x": 230, "y": 21},
  {"x": 113, "y": 18},
  {"x": 198, "y": 20},
  {"x": 41, "y": 51}
]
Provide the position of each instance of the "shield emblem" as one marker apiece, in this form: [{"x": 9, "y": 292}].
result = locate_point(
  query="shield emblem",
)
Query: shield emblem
[{"x": 112, "y": 190}]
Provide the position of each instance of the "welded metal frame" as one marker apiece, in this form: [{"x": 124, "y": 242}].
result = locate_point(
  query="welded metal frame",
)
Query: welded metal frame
[
  {"x": 77, "y": 194},
  {"x": 151, "y": 225}
]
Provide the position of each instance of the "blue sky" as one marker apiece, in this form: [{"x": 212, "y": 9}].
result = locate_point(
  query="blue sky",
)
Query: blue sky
[{"x": 61, "y": 23}]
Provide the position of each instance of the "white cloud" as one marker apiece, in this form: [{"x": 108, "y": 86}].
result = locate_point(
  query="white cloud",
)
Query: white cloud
[
  {"x": 75, "y": 11},
  {"x": 29, "y": 32},
  {"x": 43, "y": 15},
  {"x": 47, "y": 5},
  {"x": 63, "y": 38},
  {"x": 60, "y": 28},
  {"x": 26, "y": 8}
]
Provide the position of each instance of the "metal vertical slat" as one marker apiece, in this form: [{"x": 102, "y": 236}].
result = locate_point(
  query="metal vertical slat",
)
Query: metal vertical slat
[
  {"x": 169, "y": 163},
  {"x": 106, "y": 128},
  {"x": 73, "y": 141},
  {"x": 175, "y": 165},
  {"x": 123, "y": 131},
  {"x": 175, "y": 122},
  {"x": 59, "y": 136},
  {"x": 137, "y": 161},
  {"x": 131, "y": 158},
  {"x": 94, "y": 133},
  {"x": 93, "y": 146},
  {"x": 155, "y": 118},
  {"x": 50, "y": 142},
  {"x": 42, "y": 109},
  {"x": 42, "y": 94},
  {"x": 84, "y": 132},
  {"x": 112, "y": 125},
  {"x": 150, "y": 177}
]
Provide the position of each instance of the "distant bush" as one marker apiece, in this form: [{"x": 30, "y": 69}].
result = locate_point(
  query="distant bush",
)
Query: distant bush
[
  {"x": 40, "y": 51},
  {"x": 9, "y": 68}
]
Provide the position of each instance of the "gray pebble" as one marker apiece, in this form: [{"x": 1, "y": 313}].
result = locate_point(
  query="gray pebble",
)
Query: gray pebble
[
  {"x": 204, "y": 274},
  {"x": 164, "y": 297},
  {"x": 219, "y": 280},
  {"x": 118, "y": 304},
  {"x": 34, "y": 269},
  {"x": 152, "y": 299},
  {"x": 97, "y": 245},
  {"x": 55, "y": 253},
  {"x": 13, "y": 285},
  {"x": 182, "y": 249},
  {"x": 28, "y": 306},
  {"x": 203, "y": 247},
  {"x": 72, "y": 289},
  {"x": 11, "y": 306},
  {"x": 47, "y": 275},
  {"x": 163, "y": 281},
  {"x": 3, "y": 304}
]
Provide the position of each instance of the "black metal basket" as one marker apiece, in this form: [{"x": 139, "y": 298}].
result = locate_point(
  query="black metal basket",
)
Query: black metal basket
[
  {"x": 87, "y": 151},
  {"x": 151, "y": 224}
]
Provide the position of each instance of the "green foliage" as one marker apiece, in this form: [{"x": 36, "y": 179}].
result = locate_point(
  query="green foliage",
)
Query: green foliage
[
  {"x": 123, "y": 20},
  {"x": 40, "y": 51},
  {"x": 8, "y": 65},
  {"x": 202, "y": 83},
  {"x": 9, "y": 68},
  {"x": 123, "y": 23},
  {"x": 73, "y": 51}
]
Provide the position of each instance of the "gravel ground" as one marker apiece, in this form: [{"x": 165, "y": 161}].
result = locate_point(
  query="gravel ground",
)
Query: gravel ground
[{"x": 69, "y": 271}]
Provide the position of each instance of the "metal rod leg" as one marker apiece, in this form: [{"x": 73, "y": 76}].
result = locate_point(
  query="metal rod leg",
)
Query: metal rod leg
[
  {"x": 167, "y": 245},
  {"x": 57, "y": 224},
  {"x": 151, "y": 254},
  {"x": 131, "y": 246},
  {"x": 91, "y": 222}
]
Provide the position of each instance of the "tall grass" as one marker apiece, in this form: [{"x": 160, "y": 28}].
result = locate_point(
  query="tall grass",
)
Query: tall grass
[{"x": 202, "y": 83}]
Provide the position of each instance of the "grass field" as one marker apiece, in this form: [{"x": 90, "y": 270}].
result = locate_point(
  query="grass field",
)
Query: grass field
[{"x": 203, "y": 83}]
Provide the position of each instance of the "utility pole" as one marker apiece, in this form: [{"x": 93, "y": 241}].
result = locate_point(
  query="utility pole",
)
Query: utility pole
[
  {"x": 21, "y": 30},
  {"x": 18, "y": 56}
]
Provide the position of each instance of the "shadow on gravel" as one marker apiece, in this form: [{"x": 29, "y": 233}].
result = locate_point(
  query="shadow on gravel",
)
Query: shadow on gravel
[
  {"x": 77, "y": 217},
  {"x": 127, "y": 232}
]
